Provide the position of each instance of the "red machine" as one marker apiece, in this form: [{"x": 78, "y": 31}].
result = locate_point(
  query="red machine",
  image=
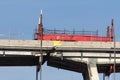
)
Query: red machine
[{"x": 65, "y": 35}]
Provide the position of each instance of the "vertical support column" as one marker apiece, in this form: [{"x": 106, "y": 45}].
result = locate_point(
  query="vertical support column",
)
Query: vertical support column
[
  {"x": 91, "y": 72},
  {"x": 85, "y": 74}
]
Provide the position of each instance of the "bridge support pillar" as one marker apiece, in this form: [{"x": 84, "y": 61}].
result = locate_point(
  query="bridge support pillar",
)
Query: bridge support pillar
[
  {"x": 85, "y": 75},
  {"x": 91, "y": 72}
]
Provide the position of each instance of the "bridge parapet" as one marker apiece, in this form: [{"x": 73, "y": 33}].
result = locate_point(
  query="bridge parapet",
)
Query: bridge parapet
[{"x": 81, "y": 44}]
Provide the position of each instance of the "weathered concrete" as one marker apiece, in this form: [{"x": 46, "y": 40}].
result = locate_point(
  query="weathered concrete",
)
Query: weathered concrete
[{"x": 36, "y": 43}]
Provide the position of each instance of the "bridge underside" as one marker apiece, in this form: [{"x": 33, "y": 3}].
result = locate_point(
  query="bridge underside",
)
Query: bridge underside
[
  {"x": 19, "y": 60},
  {"x": 51, "y": 61},
  {"x": 77, "y": 66},
  {"x": 66, "y": 64}
]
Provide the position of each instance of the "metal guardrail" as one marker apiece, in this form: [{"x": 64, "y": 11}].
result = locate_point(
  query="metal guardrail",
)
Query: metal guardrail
[
  {"x": 74, "y": 32},
  {"x": 60, "y": 49},
  {"x": 93, "y": 50},
  {"x": 19, "y": 48}
]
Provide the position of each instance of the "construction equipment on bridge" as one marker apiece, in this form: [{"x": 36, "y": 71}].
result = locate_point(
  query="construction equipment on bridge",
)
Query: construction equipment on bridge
[{"x": 66, "y": 35}]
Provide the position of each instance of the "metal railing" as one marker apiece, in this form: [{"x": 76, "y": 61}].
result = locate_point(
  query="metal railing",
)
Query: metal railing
[{"x": 73, "y": 32}]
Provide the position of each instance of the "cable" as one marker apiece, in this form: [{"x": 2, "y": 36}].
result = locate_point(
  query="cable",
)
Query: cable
[
  {"x": 36, "y": 72},
  {"x": 103, "y": 76},
  {"x": 114, "y": 52},
  {"x": 41, "y": 57}
]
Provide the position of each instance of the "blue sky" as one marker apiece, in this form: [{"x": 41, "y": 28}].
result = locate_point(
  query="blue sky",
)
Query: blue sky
[{"x": 20, "y": 17}]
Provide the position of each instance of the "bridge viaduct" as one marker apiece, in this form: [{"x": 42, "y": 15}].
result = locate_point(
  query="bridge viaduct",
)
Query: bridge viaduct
[{"x": 88, "y": 58}]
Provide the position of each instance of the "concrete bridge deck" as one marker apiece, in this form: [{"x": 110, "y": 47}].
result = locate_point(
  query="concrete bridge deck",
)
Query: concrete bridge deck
[{"x": 36, "y": 43}]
